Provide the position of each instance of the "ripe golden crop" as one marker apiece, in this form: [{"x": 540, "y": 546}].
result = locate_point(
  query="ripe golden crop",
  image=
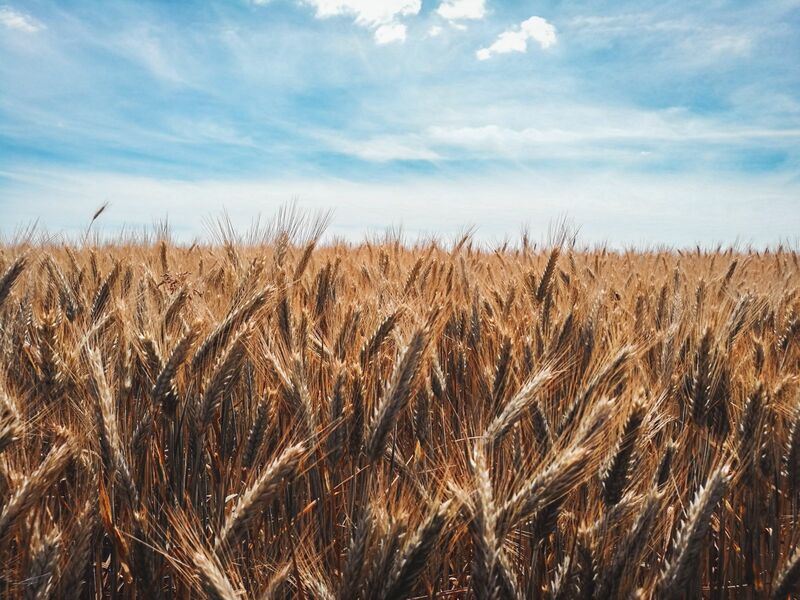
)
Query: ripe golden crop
[{"x": 382, "y": 421}]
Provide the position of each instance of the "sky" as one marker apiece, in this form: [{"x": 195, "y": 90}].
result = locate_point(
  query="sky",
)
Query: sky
[{"x": 645, "y": 123}]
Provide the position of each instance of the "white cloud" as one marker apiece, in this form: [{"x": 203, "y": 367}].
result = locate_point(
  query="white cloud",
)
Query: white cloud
[
  {"x": 367, "y": 12},
  {"x": 435, "y": 31},
  {"x": 391, "y": 32},
  {"x": 454, "y": 10},
  {"x": 20, "y": 21},
  {"x": 380, "y": 15},
  {"x": 516, "y": 40},
  {"x": 539, "y": 30}
]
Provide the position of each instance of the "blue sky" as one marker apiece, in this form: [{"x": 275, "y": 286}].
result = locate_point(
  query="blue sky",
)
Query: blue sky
[{"x": 670, "y": 122}]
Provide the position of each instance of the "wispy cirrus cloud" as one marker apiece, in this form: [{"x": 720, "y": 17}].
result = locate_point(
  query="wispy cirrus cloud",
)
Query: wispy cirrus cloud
[
  {"x": 382, "y": 149},
  {"x": 573, "y": 133},
  {"x": 699, "y": 42},
  {"x": 534, "y": 29},
  {"x": 17, "y": 20}
]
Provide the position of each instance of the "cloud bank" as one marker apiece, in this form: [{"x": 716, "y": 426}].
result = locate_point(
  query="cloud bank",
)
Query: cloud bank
[{"x": 611, "y": 207}]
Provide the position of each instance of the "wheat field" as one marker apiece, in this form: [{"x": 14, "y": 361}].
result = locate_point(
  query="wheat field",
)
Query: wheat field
[{"x": 292, "y": 419}]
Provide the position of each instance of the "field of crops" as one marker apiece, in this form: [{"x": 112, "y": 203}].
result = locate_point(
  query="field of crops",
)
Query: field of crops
[{"x": 384, "y": 421}]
